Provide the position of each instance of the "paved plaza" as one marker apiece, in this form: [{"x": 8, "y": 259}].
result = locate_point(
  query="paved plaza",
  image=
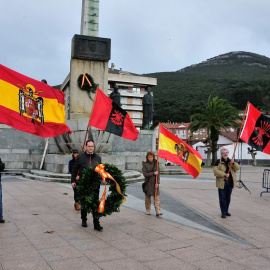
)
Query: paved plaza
[{"x": 43, "y": 231}]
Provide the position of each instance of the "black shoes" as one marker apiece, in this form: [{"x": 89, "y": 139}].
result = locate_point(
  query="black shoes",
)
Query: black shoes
[
  {"x": 84, "y": 223},
  {"x": 2, "y": 221},
  {"x": 225, "y": 215},
  {"x": 97, "y": 225}
]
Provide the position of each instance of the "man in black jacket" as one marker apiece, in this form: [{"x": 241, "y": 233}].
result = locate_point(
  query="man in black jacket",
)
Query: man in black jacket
[
  {"x": 85, "y": 160},
  {"x": 2, "y": 167}
]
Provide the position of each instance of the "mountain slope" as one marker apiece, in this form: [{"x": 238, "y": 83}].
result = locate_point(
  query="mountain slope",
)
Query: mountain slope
[{"x": 237, "y": 76}]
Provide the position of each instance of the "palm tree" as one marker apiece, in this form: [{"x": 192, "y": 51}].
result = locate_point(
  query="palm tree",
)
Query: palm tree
[{"x": 216, "y": 114}]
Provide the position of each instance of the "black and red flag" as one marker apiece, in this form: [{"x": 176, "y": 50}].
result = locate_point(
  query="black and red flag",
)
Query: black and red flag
[
  {"x": 108, "y": 116},
  {"x": 256, "y": 130}
]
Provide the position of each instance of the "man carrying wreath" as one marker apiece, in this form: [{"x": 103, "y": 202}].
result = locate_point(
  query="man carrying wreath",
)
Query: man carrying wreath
[{"x": 85, "y": 160}]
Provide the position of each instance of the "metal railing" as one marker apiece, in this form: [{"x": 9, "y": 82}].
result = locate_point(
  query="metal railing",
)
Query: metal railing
[{"x": 265, "y": 181}]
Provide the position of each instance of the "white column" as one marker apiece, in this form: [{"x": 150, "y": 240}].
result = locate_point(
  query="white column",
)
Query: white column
[{"x": 90, "y": 18}]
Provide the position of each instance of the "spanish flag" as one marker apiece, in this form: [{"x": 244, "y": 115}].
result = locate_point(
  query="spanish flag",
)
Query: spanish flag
[
  {"x": 108, "y": 116},
  {"x": 175, "y": 150},
  {"x": 31, "y": 106}
]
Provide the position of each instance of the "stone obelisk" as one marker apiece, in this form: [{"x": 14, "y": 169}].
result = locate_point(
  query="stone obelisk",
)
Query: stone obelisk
[
  {"x": 90, "y": 18},
  {"x": 90, "y": 54}
]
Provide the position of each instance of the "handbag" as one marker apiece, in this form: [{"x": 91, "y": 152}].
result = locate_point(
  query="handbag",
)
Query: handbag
[
  {"x": 143, "y": 187},
  {"x": 2, "y": 165}
]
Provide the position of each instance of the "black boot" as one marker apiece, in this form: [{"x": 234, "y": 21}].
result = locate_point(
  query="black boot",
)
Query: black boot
[
  {"x": 84, "y": 223},
  {"x": 97, "y": 225}
]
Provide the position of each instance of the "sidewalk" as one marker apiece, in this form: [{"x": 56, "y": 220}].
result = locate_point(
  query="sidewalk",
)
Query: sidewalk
[{"x": 43, "y": 231}]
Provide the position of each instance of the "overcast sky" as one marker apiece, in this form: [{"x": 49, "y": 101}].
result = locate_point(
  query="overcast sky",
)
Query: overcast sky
[{"x": 146, "y": 35}]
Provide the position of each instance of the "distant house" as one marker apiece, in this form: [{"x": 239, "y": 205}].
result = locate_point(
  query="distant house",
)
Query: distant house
[{"x": 181, "y": 130}]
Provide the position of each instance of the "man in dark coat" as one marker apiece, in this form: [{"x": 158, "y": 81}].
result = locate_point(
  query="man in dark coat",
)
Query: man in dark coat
[
  {"x": 2, "y": 167},
  {"x": 71, "y": 163},
  {"x": 85, "y": 160}
]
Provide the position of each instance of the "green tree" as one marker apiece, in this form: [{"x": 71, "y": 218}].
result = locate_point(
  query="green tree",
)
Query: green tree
[{"x": 215, "y": 114}]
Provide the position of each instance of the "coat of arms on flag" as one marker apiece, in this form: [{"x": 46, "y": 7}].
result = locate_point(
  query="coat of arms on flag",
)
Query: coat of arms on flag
[
  {"x": 177, "y": 151},
  {"x": 30, "y": 105}
]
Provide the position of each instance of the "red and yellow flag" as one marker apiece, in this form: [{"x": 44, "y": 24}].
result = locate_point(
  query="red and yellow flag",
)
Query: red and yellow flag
[
  {"x": 30, "y": 105},
  {"x": 175, "y": 150}
]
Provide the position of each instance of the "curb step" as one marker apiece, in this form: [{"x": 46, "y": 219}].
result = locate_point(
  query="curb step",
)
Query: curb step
[
  {"x": 15, "y": 171},
  {"x": 45, "y": 179},
  {"x": 40, "y": 175}
]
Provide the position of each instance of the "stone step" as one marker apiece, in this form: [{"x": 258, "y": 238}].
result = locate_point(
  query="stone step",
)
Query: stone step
[
  {"x": 176, "y": 171},
  {"x": 50, "y": 174},
  {"x": 14, "y": 171},
  {"x": 41, "y": 175},
  {"x": 45, "y": 178}
]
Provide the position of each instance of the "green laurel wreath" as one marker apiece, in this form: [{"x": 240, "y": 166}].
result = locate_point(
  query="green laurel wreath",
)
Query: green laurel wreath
[
  {"x": 88, "y": 185},
  {"x": 86, "y": 86}
]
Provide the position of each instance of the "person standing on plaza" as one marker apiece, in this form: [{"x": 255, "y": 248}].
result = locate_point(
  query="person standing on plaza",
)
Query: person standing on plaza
[
  {"x": 71, "y": 163},
  {"x": 150, "y": 172},
  {"x": 2, "y": 167},
  {"x": 85, "y": 160},
  {"x": 225, "y": 180}
]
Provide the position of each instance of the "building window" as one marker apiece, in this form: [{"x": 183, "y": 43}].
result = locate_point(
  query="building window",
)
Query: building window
[
  {"x": 124, "y": 100},
  {"x": 136, "y": 115},
  {"x": 136, "y": 101},
  {"x": 136, "y": 89}
]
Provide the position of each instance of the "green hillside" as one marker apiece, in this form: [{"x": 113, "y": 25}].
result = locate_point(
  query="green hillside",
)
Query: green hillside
[{"x": 237, "y": 76}]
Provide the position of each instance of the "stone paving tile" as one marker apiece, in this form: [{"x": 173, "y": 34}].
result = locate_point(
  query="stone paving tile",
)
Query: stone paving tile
[
  {"x": 74, "y": 234},
  {"x": 206, "y": 243},
  {"x": 170, "y": 263},
  {"x": 217, "y": 263},
  {"x": 256, "y": 261},
  {"x": 8, "y": 253},
  {"x": 190, "y": 254},
  {"x": 127, "y": 245},
  {"x": 147, "y": 254},
  {"x": 263, "y": 252},
  {"x": 104, "y": 254},
  {"x": 122, "y": 264},
  {"x": 26, "y": 264},
  {"x": 9, "y": 231},
  {"x": 168, "y": 244},
  {"x": 88, "y": 244},
  {"x": 74, "y": 263},
  {"x": 57, "y": 254},
  {"x": 51, "y": 241},
  {"x": 20, "y": 241}
]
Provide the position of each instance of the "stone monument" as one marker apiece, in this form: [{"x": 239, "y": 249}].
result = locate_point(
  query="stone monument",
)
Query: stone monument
[
  {"x": 90, "y": 55},
  {"x": 115, "y": 96},
  {"x": 148, "y": 109}
]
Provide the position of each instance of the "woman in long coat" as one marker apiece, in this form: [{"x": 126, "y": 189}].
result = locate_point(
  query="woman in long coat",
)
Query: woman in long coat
[{"x": 150, "y": 171}]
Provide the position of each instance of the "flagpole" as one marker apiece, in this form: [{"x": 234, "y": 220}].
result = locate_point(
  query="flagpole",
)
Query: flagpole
[
  {"x": 239, "y": 135},
  {"x": 90, "y": 118},
  {"x": 157, "y": 163}
]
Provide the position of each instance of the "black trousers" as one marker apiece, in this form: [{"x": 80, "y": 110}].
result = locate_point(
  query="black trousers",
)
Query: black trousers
[{"x": 84, "y": 212}]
